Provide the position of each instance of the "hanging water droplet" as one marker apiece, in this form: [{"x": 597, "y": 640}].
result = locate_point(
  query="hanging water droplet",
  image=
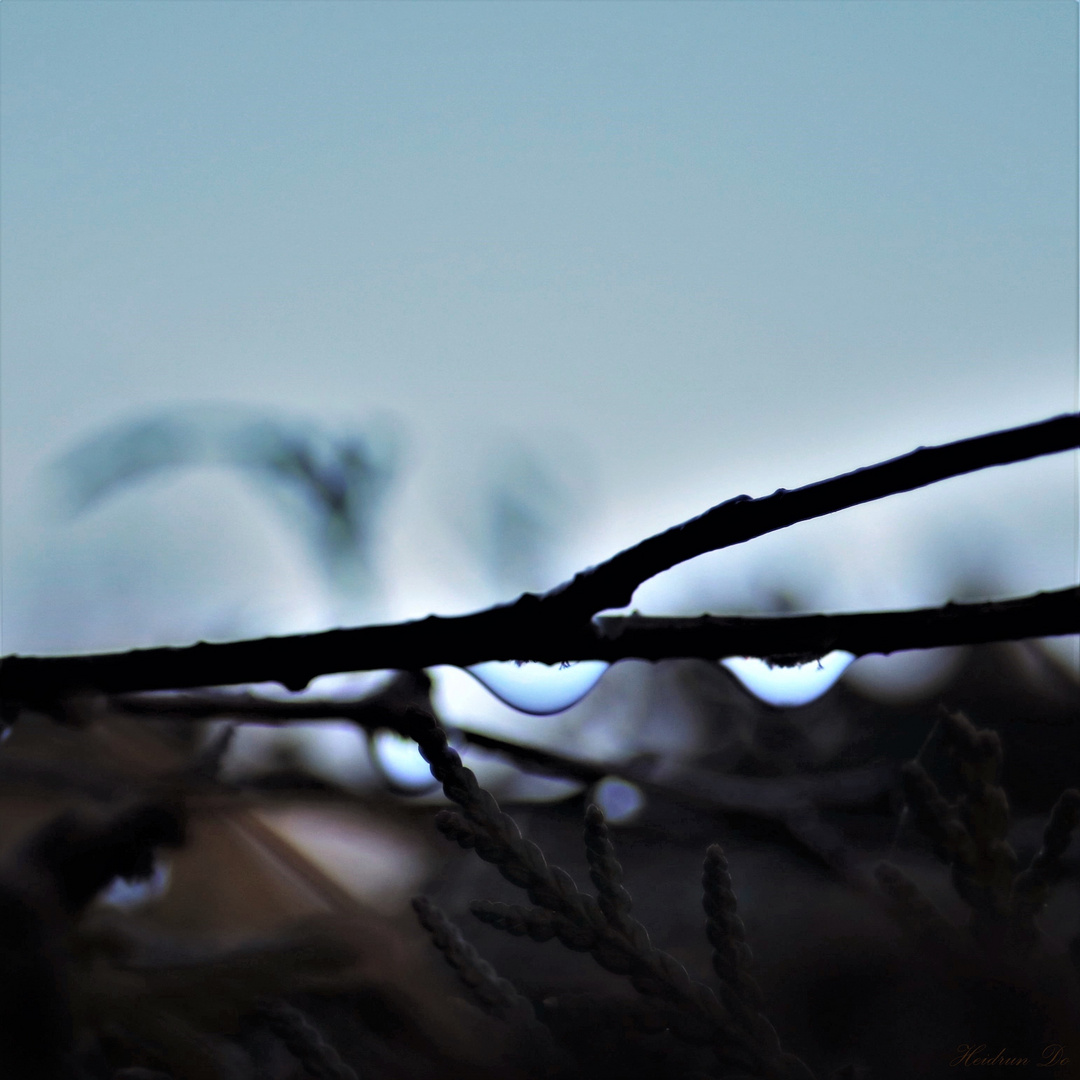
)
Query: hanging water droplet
[
  {"x": 620, "y": 800},
  {"x": 539, "y": 689},
  {"x": 127, "y": 895},
  {"x": 788, "y": 686},
  {"x": 399, "y": 764}
]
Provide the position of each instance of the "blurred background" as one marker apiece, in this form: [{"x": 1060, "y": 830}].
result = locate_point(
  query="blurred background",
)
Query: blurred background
[{"x": 325, "y": 313}]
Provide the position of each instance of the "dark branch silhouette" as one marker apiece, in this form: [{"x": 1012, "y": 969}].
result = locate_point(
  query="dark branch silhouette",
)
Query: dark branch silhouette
[
  {"x": 793, "y": 802},
  {"x": 408, "y": 694},
  {"x": 612, "y": 583},
  {"x": 558, "y": 626},
  {"x": 786, "y": 640}
]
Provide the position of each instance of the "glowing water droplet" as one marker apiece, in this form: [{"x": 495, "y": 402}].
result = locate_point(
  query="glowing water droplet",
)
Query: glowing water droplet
[
  {"x": 788, "y": 686},
  {"x": 540, "y": 689},
  {"x": 127, "y": 895},
  {"x": 620, "y": 800},
  {"x": 398, "y": 762}
]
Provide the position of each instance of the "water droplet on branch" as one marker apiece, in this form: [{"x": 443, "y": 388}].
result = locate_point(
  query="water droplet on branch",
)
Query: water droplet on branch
[
  {"x": 539, "y": 689},
  {"x": 789, "y": 686}
]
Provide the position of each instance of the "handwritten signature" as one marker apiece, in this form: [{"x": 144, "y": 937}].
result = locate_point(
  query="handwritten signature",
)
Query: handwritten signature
[{"x": 966, "y": 1054}]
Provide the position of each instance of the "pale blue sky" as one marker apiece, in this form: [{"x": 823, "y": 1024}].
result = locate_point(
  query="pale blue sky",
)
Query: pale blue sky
[{"x": 686, "y": 250}]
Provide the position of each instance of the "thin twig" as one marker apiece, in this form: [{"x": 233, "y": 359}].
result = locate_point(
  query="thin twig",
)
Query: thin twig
[
  {"x": 469, "y": 639},
  {"x": 794, "y": 639},
  {"x": 558, "y": 625},
  {"x": 839, "y": 788},
  {"x": 612, "y": 583},
  {"x": 791, "y": 801}
]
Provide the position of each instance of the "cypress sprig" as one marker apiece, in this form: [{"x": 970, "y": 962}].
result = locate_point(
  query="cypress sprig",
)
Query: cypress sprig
[
  {"x": 495, "y": 994},
  {"x": 731, "y": 951},
  {"x": 971, "y": 835},
  {"x": 537, "y": 923},
  {"x": 469, "y": 836},
  {"x": 305, "y": 1042},
  {"x": 986, "y": 878},
  {"x": 495, "y": 835},
  {"x": 455, "y": 827},
  {"x": 725, "y": 930},
  {"x": 606, "y": 871},
  {"x": 935, "y": 817},
  {"x": 1032, "y": 886},
  {"x": 976, "y": 866},
  {"x": 741, "y": 1039}
]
